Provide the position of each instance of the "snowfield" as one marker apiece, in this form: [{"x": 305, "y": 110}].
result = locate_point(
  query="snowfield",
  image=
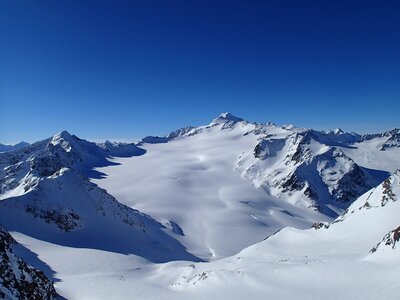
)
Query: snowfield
[
  {"x": 230, "y": 210},
  {"x": 192, "y": 182}
]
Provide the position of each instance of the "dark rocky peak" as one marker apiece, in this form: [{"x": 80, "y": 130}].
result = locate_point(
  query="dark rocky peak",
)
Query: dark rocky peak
[
  {"x": 393, "y": 134},
  {"x": 18, "y": 280}
]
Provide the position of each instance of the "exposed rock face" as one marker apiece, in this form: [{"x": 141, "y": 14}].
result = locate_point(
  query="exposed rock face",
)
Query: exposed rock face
[
  {"x": 387, "y": 192},
  {"x": 68, "y": 200},
  {"x": 393, "y": 139},
  {"x": 389, "y": 240},
  {"x": 303, "y": 166},
  {"x": 46, "y": 193},
  {"x": 306, "y": 167},
  {"x": 46, "y": 180},
  {"x": 17, "y": 279},
  {"x": 268, "y": 148},
  {"x": 24, "y": 167},
  {"x": 390, "y": 139}
]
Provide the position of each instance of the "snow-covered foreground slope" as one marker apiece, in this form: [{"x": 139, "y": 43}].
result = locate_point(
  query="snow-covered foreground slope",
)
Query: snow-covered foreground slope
[
  {"x": 356, "y": 257},
  {"x": 339, "y": 262}
]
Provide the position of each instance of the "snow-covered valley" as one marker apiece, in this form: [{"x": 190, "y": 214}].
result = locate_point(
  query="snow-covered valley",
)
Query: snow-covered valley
[{"x": 231, "y": 209}]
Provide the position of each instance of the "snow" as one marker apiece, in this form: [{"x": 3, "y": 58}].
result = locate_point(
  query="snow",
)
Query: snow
[
  {"x": 192, "y": 182},
  {"x": 369, "y": 155},
  {"x": 225, "y": 117},
  {"x": 333, "y": 263},
  {"x": 206, "y": 214}
]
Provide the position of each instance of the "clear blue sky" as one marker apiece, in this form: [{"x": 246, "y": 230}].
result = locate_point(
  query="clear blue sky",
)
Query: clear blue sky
[{"x": 126, "y": 69}]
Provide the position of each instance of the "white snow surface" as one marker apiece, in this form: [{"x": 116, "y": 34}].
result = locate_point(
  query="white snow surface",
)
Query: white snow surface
[
  {"x": 199, "y": 216},
  {"x": 333, "y": 263},
  {"x": 192, "y": 182},
  {"x": 369, "y": 155}
]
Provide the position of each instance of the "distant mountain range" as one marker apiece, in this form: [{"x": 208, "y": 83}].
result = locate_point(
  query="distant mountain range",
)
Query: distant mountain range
[{"x": 5, "y": 148}]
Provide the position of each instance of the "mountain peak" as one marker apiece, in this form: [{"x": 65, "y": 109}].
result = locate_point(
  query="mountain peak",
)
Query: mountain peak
[
  {"x": 338, "y": 131},
  {"x": 226, "y": 117},
  {"x": 21, "y": 144},
  {"x": 65, "y": 135},
  {"x": 63, "y": 138},
  {"x": 5, "y": 148}
]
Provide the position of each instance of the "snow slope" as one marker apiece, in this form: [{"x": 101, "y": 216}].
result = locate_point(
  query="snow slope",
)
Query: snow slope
[
  {"x": 120, "y": 221},
  {"x": 241, "y": 181},
  {"x": 47, "y": 195},
  {"x": 191, "y": 181},
  {"x": 344, "y": 260},
  {"x": 338, "y": 262}
]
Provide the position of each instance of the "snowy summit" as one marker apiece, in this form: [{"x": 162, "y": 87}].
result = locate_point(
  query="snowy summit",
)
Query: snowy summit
[{"x": 226, "y": 117}]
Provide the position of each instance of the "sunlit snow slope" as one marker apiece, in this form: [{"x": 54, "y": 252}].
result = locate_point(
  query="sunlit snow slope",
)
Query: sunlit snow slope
[
  {"x": 355, "y": 257},
  {"x": 224, "y": 186},
  {"x": 192, "y": 182}
]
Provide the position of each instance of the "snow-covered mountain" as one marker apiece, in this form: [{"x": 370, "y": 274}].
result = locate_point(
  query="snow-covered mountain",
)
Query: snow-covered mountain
[
  {"x": 305, "y": 167},
  {"x": 257, "y": 178},
  {"x": 21, "y": 170},
  {"x": 46, "y": 193},
  {"x": 110, "y": 218}
]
